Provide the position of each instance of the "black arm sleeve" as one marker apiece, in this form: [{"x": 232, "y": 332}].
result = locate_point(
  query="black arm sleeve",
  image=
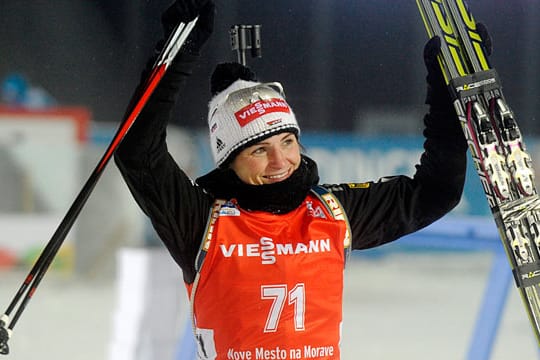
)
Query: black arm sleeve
[
  {"x": 177, "y": 208},
  {"x": 383, "y": 211}
]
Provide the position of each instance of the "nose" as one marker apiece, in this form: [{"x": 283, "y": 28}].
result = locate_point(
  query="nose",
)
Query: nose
[{"x": 277, "y": 158}]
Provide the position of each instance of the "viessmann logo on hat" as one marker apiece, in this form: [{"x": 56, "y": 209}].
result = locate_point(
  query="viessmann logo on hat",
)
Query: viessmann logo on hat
[{"x": 259, "y": 108}]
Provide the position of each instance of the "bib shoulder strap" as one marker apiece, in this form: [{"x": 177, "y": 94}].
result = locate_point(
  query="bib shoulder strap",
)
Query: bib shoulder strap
[
  {"x": 336, "y": 209},
  {"x": 208, "y": 232}
]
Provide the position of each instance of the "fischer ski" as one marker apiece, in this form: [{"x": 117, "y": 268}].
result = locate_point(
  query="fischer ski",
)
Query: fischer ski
[
  {"x": 495, "y": 142},
  {"x": 137, "y": 103}
]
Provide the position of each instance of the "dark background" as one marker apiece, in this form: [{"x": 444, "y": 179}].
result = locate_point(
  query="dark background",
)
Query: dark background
[{"x": 337, "y": 59}]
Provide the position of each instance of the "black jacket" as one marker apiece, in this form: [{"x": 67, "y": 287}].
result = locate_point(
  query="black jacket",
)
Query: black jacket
[{"x": 378, "y": 212}]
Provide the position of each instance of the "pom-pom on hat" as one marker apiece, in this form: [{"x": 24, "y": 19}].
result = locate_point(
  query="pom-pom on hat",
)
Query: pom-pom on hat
[{"x": 244, "y": 111}]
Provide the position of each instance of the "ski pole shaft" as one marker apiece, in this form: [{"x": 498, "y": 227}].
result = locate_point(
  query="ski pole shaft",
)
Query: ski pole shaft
[{"x": 37, "y": 272}]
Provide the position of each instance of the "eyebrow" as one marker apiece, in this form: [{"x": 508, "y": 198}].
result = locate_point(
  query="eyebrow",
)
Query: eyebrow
[{"x": 264, "y": 142}]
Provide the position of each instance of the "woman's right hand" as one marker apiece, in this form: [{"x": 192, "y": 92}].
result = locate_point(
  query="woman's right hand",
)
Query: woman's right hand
[{"x": 185, "y": 11}]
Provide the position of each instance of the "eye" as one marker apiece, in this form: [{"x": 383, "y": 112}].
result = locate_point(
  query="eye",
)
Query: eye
[
  {"x": 288, "y": 141},
  {"x": 259, "y": 150}
]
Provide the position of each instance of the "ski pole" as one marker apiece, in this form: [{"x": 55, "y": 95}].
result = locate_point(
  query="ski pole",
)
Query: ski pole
[{"x": 34, "y": 277}]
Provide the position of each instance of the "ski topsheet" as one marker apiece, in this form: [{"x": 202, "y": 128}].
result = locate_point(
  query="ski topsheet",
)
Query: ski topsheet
[{"x": 495, "y": 142}]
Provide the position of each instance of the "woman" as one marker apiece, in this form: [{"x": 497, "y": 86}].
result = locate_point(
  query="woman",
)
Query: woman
[{"x": 262, "y": 246}]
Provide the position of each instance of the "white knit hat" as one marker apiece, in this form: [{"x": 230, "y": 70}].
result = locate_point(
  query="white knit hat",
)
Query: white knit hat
[{"x": 247, "y": 112}]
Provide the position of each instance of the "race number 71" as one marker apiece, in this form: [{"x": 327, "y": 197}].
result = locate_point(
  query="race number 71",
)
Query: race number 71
[{"x": 279, "y": 296}]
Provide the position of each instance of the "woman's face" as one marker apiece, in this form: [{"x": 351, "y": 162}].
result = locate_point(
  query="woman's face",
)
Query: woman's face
[{"x": 269, "y": 161}]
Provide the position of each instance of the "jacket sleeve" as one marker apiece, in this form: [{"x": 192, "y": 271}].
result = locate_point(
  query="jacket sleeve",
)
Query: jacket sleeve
[
  {"x": 177, "y": 208},
  {"x": 383, "y": 211}
]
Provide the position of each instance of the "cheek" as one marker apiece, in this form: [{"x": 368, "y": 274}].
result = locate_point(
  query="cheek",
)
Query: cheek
[
  {"x": 256, "y": 166},
  {"x": 249, "y": 169},
  {"x": 295, "y": 158}
]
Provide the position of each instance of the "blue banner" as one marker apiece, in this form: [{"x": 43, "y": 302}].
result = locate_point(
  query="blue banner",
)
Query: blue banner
[{"x": 353, "y": 158}]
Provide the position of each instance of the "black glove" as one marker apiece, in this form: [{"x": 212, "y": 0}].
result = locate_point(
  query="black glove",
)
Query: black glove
[
  {"x": 185, "y": 11},
  {"x": 203, "y": 29},
  {"x": 486, "y": 39},
  {"x": 181, "y": 11},
  {"x": 438, "y": 95}
]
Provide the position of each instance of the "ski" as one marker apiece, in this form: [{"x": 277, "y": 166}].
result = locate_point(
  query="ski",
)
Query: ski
[{"x": 495, "y": 142}]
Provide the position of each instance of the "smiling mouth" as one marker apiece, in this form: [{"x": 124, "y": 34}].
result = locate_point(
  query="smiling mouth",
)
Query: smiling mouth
[{"x": 277, "y": 177}]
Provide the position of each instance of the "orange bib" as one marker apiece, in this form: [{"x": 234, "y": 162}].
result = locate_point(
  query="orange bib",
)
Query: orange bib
[{"x": 270, "y": 286}]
